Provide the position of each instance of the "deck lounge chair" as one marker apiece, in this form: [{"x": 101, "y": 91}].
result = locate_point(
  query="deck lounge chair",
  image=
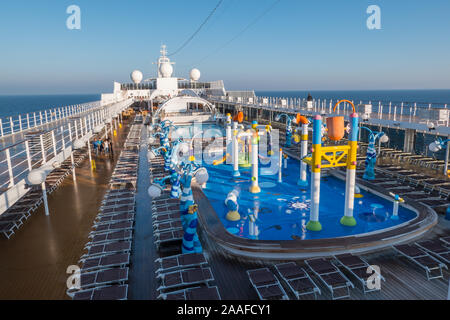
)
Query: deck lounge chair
[
  {"x": 267, "y": 286},
  {"x": 108, "y": 248},
  {"x": 165, "y": 217},
  {"x": 180, "y": 261},
  {"x": 168, "y": 226},
  {"x": 297, "y": 279},
  {"x": 114, "y": 218},
  {"x": 111, "y": 237},
  {"x": 168, "y": 236},
  {"x": 112, "y": 226},
  {"x": 197, "y": 293},
  {"x": 431, "y": 265},
  {"x": 101, "y": 278},
  {"x": 105, "y": 262},
  {"x": 7, "y": 228},
  {"x": 437, "y": 249},
  {"x": 338, "y": 284},
  {"x": 358, "y": 268},
  {"x": 119, "y": 292},
  {"x": 184, "y": 278}
]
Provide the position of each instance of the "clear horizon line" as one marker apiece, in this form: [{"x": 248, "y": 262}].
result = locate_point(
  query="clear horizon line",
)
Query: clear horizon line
[{"x": 265, "y": 90}]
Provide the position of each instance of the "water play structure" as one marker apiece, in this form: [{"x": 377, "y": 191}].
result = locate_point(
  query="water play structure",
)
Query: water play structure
[{"x": 331, "y": 157}]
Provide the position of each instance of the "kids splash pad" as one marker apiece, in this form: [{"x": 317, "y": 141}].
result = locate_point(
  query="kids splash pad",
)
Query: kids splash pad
[
  {"x": 281, "y": 210},
  {"x": 274, "y": 221}
]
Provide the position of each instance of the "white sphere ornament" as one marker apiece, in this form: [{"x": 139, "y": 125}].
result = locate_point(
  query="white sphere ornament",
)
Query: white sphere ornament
[
  {"x": 435, "y": 146},
  {"x": 194, "y": 74},
  {"x": 136, "y": 76},
  {"x": 166, "y": 70},
  {"x": 384, "y": 138},
  {"x": 151, "y": 140},
  {"x": 202, "y": 176},
  {"x": 154, "y": 191},
  {"x": 37, "y": 176}
]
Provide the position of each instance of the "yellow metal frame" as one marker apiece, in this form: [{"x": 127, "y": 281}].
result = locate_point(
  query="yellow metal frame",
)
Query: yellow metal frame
[{"x": 330, "y": 154}]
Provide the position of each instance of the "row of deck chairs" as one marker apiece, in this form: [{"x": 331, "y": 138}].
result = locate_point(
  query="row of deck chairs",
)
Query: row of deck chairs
[
  {"x": 105, "y": 265},
  {"x": 180, "y": 276},
  {"x": 125, "y": 172},
  {"x": 430, "y": 255},
  {"x": 431, "y": 191},
  {"x": 289, "y": 279},
  {"x": 14, "y": 218},
  {"x": 416, "y": 159}
]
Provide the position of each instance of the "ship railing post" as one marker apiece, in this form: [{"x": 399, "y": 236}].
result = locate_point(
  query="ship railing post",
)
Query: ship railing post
[
  {"x": 20, "y": 123},
  {"x": 46, "y": 117},
  {"x": 54, "y": 143},
  {"x": 1, "y": 127},
  {"x": 40, "y": 116},
  {"x": 62, "y": 139},
  {"x": 11, "y": 123},
  {"x": 27, "y": 150},
  {"x": 10, "y": 171},
  {"x": 44, "y": 160},
  {"x": 28, "y": 121}
]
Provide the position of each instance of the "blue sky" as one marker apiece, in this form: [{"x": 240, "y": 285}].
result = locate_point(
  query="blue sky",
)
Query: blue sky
[{"x": 298, "y": 45}]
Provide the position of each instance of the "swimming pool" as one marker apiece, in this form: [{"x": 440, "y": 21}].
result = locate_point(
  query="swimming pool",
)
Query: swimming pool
[{"x": 282, "y": 209}]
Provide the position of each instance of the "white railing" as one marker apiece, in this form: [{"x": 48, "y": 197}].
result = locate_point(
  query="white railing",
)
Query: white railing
[
  {"x": 404, "y": 112},
  {"x": 21, "y": 122},
  {"x": 17, "y": 160}
]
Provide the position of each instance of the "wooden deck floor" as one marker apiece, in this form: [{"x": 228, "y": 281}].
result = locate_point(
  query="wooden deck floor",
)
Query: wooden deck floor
[
  {"x": 404, "y": 281},
  {"x": 33, "y": 262}
]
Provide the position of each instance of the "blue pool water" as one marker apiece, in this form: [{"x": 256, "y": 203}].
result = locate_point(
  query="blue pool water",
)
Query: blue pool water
[{"x": 282, "y": 209}]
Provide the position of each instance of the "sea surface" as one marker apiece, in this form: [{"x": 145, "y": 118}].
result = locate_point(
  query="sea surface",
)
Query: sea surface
[{"x": 21, "y": 104}]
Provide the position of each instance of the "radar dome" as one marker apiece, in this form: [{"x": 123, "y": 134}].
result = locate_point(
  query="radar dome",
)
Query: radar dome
[
  {"x": 194, "y": 74},
  {"x": 166, "y": 70},
  {"x": 136, "y": 76}
]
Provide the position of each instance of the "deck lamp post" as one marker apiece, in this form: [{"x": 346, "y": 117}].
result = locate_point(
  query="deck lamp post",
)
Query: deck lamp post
[
  {"x": 437, "y": 146},
  {"x": 38, "y": 177},
  {"x": 371, "y": 154}
]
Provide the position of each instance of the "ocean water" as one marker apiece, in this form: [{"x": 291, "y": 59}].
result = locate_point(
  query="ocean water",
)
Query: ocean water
[
  {"x": 22, "y": 104},
  {"x": 438, "y": 98}
]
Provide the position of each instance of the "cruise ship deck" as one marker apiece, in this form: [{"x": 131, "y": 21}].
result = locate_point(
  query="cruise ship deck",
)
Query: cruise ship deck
[{"x": 151, "y": 221}]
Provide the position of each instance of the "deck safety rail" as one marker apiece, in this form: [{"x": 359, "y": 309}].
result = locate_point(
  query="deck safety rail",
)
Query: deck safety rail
[
  {"x": 404, "y": 112},
  {"x": 17, "y": 160},
  {"x": 21, "y": 122}
]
